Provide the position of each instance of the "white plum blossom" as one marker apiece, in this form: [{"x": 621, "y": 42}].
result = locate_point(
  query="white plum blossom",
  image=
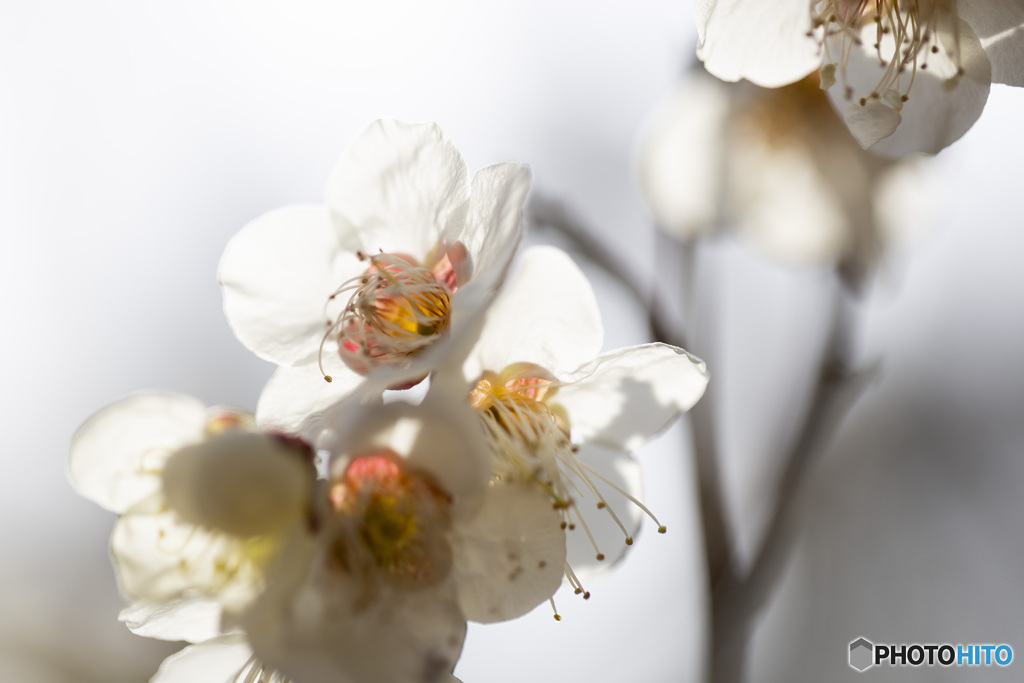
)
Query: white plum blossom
[
  {"x": 778, "y": 167},
  {"x": 209, "y": 509},
  {"x": 414, "y": 540},
  {"x": 563, "y": 419},
  {"x": 227, "y": 539},
  {"x": 908, "y": 75},
  {"x": 206, "y": 503},
  {"x": 369, "y": 279}
]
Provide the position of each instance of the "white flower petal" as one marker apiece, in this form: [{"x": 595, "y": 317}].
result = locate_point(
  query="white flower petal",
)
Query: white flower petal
[
  {"x": 276, "y": 275},
  {"x": 623, "y": 398},
  {"x": 785, "y": 205},
  {"x": 510, "y": 556},
  {"x": 494, "y": 224},
  {"x": 160, "y": 557},
  {"x": 214, "y": 661},
  {"x": 401, "y": 187},
  {"x": 941, "y": 106},
  {"x": 1000, "y": 26},
  {"x": 763, "y": 42},
  {"x": 545, "y": 314},
  {"x": 441, "y": 436},
  {"x": 329, "y": 632},
  {"x": 191, "y": 619},
  {"x": 292, "y": 394},
  {"x": 623, "y": 472},
  {"x": 242, "y": 483},
  {"x": 117, "y": 454},
  {"x": 680, "y": 160},
  {"x": 872, "y": 121}
]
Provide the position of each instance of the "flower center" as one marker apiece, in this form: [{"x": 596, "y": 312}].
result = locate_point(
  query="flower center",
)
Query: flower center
[
  {"x": 530, "y": 440},
  {"x": 906, "y": 33},
  {"x": 397, "y": 521},
  {"x": 395, "y": 309}
]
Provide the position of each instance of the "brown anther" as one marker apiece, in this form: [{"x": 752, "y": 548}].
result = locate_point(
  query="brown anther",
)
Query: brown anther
[
  {"x": 328, "y": 379},
  {"x": 601, "y": 505},
  {"x": 662, "y": 529},
  {"x": 629, "y": 540},
  {"x": 586, "y": 595},
  {"x": 558, "y": 617},
  {"x": 600, "y": 557}
]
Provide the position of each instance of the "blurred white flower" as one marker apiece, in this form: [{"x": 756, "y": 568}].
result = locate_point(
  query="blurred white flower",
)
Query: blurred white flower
[
  {"x": 205, "y": 503},
  {"x": 209, "y": 509},
  {"x": 414, "y": 540},
  {"x": 368, "y": 280},
  {"x": 778, "y": 167},
  {"x": 561, "y": 420},
  {"x": 226, "y": 539},
  {"x": 914, "y": 73}
]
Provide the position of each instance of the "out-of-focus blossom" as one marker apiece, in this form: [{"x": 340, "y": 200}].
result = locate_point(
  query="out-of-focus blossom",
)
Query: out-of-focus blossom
[
  {"x": 912, "y": 73},
  {"x": 369, "y": 279},
  {"x": 206, "y": 505},
  {"x": 414, "y": 540},
  {"x": 209, "y": 510},
  {"x": 779, "y": 167},
  {"x": 227, "y": 539}
]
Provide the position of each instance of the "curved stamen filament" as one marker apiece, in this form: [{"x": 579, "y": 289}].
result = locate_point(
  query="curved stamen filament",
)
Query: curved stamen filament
[
  {"x": 395, "y": 309},
  {"x": 910, "y": 25}
]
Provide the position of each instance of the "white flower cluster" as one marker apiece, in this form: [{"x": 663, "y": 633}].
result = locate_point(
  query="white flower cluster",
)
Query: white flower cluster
[
  {"x": 908, "y": 75},
  {"x": 335, "y": 536}
]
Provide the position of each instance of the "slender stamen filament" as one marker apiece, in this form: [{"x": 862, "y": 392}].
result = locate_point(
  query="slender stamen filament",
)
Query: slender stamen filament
[
  {"x": 531, "y": 443},
  {"x": 395, "y": 309},
  {"x": 906, "y": 33},
  {"x": 254, "y": 671}
]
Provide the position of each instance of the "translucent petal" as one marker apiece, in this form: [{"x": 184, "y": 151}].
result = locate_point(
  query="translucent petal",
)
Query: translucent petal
[
  {"x": 160, "y": 557},
  {"x": 785, "y": 205},
  {"x": 999, "y": 24},
  {"x": 509, "y": 557},
  {"x": 276, "y": 275},
  {"x": 440, "y": 436},
  {"x": 191, "y": 619},
  {"x": 941, "y": 106},
  {"x": 400, "y": 187},
  {"x": 244, "y": 484},
  {"x": 294, "y": 393},
  {"x": 546, "y": 314},
  {"x": 872, "y": 121},
  {"x": 118, "y": 453},
  {"x": 680, "y": 157},
  {"x": 214, "y": 661},
  {"x": 336, "y": 628},
  {"x": 763, "y": 42},
  {"x": 494, "y": 225},
  {"x": 623, "y": 398}
]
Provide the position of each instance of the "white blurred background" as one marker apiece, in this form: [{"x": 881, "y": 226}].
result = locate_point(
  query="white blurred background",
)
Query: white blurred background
[{"x": 136, "y": 137}]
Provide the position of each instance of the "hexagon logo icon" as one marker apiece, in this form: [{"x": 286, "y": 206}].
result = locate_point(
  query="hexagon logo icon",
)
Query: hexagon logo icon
[{"x": 862, "y": 654}]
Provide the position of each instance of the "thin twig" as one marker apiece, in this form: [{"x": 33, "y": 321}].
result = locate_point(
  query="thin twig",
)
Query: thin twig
[{"x": 837, "y": 389}]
